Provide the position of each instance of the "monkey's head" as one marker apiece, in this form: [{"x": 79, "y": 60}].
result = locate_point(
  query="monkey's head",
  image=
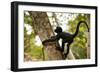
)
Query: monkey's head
[{"x": 58, "y": 29}]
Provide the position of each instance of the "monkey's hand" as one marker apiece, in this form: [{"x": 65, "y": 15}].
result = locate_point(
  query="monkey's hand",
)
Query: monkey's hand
[{"x": 53, "y": 37}]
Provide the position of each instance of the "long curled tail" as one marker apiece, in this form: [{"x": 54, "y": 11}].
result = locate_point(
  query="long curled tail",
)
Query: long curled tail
[{"x": 77, "y": 29}]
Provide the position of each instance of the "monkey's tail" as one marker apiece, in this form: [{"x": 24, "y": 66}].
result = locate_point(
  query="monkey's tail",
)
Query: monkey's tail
[{"x": 77, "y": 29}]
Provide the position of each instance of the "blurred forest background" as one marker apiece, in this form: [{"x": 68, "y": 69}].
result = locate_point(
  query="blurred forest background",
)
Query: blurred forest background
[{"x": 33, "y": 47}]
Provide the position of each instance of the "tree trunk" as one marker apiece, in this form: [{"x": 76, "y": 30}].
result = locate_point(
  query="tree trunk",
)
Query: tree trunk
[{"x": 42, "y": 27}]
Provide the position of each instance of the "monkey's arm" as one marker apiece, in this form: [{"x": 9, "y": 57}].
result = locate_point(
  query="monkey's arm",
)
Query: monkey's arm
[{"x": 51, "y": 39}]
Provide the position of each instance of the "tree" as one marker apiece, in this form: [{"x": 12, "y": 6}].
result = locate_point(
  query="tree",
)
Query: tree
[{"x": 42, "y": 27}]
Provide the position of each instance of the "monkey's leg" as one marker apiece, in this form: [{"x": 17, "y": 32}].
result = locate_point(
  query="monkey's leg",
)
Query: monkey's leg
[
  {"x": 68, "y": 47},
  {"x": 63, "y": 45}
]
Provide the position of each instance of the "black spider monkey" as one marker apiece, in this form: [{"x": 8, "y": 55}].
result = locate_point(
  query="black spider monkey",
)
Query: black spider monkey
[{"x": 66, "y": 37}]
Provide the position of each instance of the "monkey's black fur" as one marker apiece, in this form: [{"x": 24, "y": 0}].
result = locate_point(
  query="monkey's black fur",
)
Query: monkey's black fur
[{"x": 66, "y": 37}]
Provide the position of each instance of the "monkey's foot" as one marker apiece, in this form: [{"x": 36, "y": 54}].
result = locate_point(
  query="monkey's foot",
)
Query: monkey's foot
[{"x": 65, "y": 55}]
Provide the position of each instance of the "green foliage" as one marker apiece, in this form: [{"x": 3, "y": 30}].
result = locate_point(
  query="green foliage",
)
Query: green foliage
[
  {"x": 79, "y": 45},
  {"x": 27, "y": 19}
]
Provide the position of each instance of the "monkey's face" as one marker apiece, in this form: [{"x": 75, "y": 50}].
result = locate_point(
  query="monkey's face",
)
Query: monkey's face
[{"x": 58, "y": 29}]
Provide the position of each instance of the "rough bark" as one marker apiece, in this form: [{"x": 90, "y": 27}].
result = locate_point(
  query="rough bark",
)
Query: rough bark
[{"x": 42, "y": 27}]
